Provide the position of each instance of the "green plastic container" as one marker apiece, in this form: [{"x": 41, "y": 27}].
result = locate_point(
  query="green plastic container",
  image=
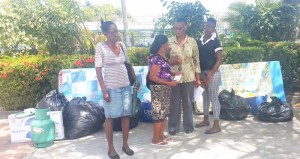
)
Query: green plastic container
[{"x": 42, "y": 129}]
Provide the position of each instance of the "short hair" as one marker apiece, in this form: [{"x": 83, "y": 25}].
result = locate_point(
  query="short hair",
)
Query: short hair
[
  {"x": 181, "y": 20},
  {"x": 105, "y": 25},
  {"x": 159, "y": 40},
  {"x": 212, "y": 20}
]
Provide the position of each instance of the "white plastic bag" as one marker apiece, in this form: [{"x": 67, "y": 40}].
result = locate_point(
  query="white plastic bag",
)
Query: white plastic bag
[{"x": 198, "y": 94}]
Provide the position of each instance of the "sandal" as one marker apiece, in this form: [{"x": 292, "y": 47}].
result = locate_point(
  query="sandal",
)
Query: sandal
[
  {"x": 128, "y": 151},
  {"x": 113, "y": 157},
  {"x": 168, "y": 139},
  {"x": 162, "y": 143}
]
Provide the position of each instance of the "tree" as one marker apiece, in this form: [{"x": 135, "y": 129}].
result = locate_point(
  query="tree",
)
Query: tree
[
  {"x": 291, "y": 1},
  {"x": 234, "y": 17},
  {"x": 267, "y": 21},
  {"x": 194, "y": 13},
  {"x": 93, "y": 13},
  {"x": 285, "y": 25},
  {"x": 50, "y": 25},
  {"x": 125, "y": 22}
]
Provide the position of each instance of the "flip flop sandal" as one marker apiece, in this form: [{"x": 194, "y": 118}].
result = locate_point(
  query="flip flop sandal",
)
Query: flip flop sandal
[
  {"x": 168, "y": 139},
  {"x": 162, "y": 143}
]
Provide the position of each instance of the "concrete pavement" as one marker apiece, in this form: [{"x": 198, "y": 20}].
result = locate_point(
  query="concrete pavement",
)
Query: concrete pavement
[{"x": 246, "y": 139}]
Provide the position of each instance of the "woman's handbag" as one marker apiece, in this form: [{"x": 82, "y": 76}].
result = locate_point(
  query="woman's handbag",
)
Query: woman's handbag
[{"x": 130, "y": 70}]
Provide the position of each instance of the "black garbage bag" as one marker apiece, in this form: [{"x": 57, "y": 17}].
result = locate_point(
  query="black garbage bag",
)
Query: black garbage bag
[
  {"x": 233, "y": 107},
  {"x": 225, "y": 96},
  {"x": 82, "y": 118},
  {"x": 54, "y": 100},
  {"x": 134, "y": 119},
  {"x": 276, "y": 111}
]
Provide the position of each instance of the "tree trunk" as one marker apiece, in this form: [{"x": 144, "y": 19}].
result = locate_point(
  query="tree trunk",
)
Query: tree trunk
[{"x": 125, "y": 22}]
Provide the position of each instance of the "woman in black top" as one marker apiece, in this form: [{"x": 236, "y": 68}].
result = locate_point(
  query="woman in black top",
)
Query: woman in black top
[{"x": 210, "y": 54}]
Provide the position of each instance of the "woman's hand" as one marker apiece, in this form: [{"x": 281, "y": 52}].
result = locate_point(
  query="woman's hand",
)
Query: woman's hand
[
  {"x": 106, "y": 96},
  {"x": 172, "y": 83},
  {"x": 138, "y": 86},
  {"x": 197, "y": 83},
  {"x": 177, "y": 61},
  {"x": 207, "y": 79}
]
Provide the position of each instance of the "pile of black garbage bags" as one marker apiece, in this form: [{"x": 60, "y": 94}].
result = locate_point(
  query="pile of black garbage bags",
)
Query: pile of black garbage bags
[
  {"x": 275, "y": 111},
  {"x": 80, "y": 117},
  {"x": 234, "y": 107}
]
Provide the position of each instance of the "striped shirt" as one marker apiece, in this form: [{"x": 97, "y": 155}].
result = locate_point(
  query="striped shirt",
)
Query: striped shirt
[{"x": 115, "y": 73}]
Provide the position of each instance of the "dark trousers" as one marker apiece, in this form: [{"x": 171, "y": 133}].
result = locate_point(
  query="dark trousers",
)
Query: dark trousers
[{"x": 182, "y": 97}]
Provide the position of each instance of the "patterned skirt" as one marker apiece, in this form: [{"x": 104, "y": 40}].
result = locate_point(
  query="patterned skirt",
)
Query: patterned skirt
[{"x": 160, "y": 100}]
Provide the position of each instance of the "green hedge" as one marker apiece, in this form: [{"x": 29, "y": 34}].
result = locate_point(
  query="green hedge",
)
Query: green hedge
[
  {"x": 287, "y": 53},
  {"x": 289, "y": 56},
  {"x": 26, "y": 80},
  {"x": 233, "y": 55},
  {"x": 138, "y": 56}
]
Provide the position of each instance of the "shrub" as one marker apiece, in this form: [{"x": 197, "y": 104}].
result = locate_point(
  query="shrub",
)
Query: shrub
[
  {"x": 240, "y": 40},
  {"x": 242, "y": 54},
  {"x": 289, "y": 56},
  {"x": 27, "y": 79},
  {"x": 138, "y": 56}
]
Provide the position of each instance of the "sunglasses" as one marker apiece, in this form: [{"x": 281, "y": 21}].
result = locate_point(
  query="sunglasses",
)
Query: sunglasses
[
  {"x": 179, "y": 28},
  {"x": 113, "y": 32}
]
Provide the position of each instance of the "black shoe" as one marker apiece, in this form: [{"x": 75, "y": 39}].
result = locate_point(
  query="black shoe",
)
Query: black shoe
[
  {"x": 172, "y": 132},
  {"x": 114, "y": 157},
  {"x": 128, "y": 151},
  {"x": 188, "y": 131}
]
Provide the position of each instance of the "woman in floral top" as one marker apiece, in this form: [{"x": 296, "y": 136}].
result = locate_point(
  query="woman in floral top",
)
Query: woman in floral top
[
  {"x": 184, "y": 56},
  {"x": 161, "y": 75}
]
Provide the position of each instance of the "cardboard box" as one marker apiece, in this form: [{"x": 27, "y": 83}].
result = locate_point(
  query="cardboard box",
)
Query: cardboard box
[
  {"x": 57, "y": 117},
  {"x": 20, "y": 126}
]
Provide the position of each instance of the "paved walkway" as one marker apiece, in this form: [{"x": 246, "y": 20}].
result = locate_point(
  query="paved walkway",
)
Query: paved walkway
[{"x": 246, "y": 139}]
